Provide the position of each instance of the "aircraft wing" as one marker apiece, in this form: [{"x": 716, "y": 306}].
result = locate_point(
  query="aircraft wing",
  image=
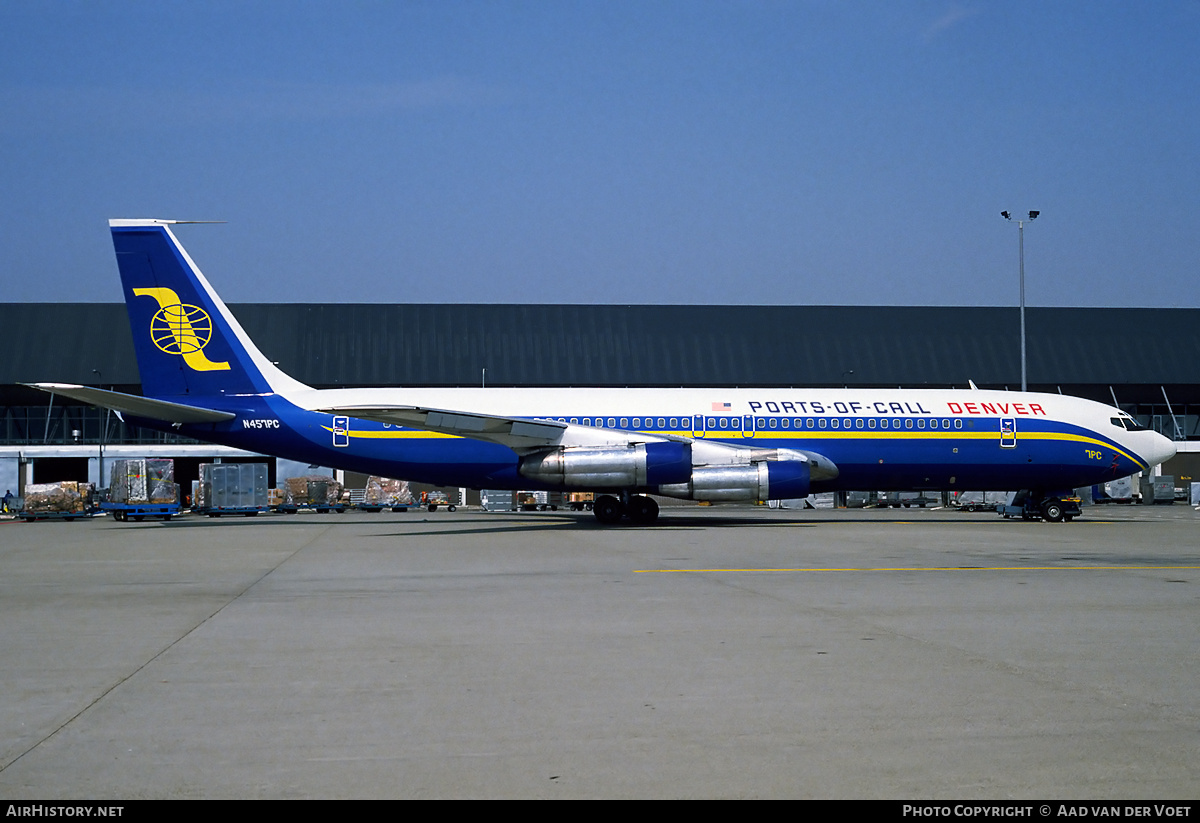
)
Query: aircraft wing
[
  {"x": 135, "y": 405},
  {"x": 514, "y": 432}
]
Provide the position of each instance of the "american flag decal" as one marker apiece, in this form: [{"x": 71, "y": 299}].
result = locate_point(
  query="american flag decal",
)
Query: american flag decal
[{"x": 721, "y": 407}]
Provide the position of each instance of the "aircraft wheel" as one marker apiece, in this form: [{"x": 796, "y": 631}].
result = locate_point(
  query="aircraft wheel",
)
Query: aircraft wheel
[
  {"x": 1052, "y": 511},
  {"x": 608, "y": 510},
  {"x": 643, "y": 510}
]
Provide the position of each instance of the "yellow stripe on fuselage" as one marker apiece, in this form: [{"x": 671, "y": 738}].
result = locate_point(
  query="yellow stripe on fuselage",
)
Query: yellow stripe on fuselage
[
  {"x": 408, "y": 434},
  {"x": 736, "y": 436}
]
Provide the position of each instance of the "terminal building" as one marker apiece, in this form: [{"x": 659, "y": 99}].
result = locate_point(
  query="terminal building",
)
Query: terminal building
[{"x": 1146, "y": 361}]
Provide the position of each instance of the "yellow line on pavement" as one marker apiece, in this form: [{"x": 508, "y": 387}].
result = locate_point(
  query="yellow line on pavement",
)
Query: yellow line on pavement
[{"x": 926, "y": 569}]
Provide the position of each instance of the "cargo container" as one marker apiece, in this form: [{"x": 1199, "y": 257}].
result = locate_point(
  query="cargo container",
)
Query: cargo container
[
  {"x": 497, "y": 500},
  {"x": 1158, "y": 490},
  {"x": 231, "y": 488}
]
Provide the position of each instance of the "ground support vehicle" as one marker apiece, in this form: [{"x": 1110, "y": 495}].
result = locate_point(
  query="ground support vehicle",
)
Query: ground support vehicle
[
  {"x": 431, "y": 500},
  {"x": 319, "y": 508},
  {"x": 528, "y": 501},
  {"x": 907, "y": 499},
  {"x": 378, "y": 507},
  {"x": 978, "y": 501},
  {"x": 123, "y": 512},
  {"x": 219, "y": 511},
  {"x": 1051, "y": 508},
  {"x": 580, "y": 501},
  {"x": 29, "y": 516}
]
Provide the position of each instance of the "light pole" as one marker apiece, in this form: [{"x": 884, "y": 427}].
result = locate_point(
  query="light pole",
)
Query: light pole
[
  {"x": 103, "y": 423},
  {"x": 1021, "y": 255}
]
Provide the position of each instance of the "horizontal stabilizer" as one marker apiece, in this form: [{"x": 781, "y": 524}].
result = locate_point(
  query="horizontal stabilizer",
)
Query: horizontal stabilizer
[
  {"x": 514, "y": 432},
  {"x": 135, "y": 405}
]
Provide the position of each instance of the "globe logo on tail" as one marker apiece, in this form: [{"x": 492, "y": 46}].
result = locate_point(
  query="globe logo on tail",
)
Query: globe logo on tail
[{"x": 181, "y": 329}]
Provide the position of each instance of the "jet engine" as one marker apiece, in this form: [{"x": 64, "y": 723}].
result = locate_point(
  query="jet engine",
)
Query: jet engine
[
  {"x": 764, "y": 480},
  {"x": 635, "y": 466}
]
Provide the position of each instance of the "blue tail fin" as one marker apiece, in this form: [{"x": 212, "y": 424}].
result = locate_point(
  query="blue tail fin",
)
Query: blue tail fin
[{"x": 187, "y": 342}]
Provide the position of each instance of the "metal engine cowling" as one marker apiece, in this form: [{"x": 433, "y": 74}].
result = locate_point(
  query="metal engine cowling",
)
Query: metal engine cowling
[
  {"x": 765, "y": 480},
  {"x": 635, "y": 466}
]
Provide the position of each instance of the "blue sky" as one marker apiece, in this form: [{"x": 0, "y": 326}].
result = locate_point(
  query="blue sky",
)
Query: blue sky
[{"x": 805, "y": 152}]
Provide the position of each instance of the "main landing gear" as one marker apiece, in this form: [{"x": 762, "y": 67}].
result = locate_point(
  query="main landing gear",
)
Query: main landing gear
[{"x": 639, "y": 508}]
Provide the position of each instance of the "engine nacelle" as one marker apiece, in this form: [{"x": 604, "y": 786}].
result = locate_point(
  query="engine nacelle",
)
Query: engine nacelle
[
  {"x": 765, "y": 480},
  {"x": 636, "y": 466}
]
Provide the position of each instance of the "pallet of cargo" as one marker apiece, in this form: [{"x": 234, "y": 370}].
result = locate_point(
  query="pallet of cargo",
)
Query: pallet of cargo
[
  {"x": 140, "y": 511},
  {"x": 64, "y": 500},
  {"x": 381, "y": 494}
]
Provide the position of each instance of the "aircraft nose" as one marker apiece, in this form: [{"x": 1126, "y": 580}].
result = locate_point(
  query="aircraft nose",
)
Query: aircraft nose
[{"x": 1161, "y": 450}]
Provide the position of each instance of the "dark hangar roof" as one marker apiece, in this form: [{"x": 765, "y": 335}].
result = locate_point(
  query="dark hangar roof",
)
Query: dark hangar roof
[{"x": 572, "y": 345}]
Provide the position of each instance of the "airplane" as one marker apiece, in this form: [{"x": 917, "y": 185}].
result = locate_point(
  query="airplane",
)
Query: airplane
[{"x": 204, "y": 378}]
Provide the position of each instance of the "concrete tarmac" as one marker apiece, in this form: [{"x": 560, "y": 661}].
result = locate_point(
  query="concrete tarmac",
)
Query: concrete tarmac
[{"x": 726, "y": 652}]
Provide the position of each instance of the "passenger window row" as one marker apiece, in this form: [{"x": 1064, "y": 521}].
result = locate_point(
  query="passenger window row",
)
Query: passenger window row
[{"x": 767, "y": 423}]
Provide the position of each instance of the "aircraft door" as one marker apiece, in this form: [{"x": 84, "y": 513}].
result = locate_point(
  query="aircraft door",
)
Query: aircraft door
[
  {"x": 341, "y": 431},
  {"x": 697, "y": 425},
  {"x": 748, "y": 426},
  {"x": 1008, "y": 433}
]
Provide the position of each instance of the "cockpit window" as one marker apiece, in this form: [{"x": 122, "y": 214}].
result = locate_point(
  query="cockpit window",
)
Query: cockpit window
[{"x": 1127, "y": 423}]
